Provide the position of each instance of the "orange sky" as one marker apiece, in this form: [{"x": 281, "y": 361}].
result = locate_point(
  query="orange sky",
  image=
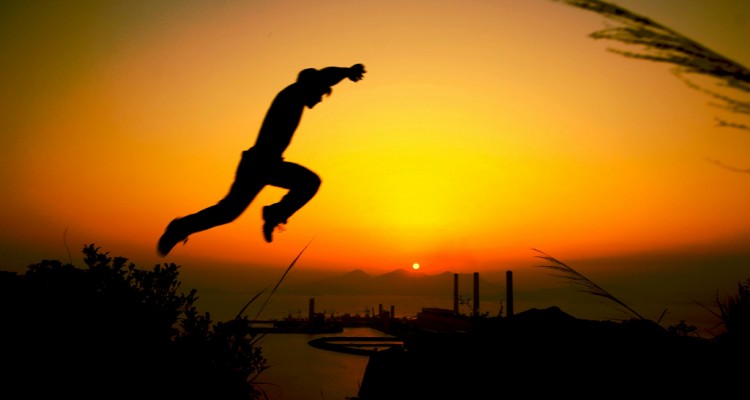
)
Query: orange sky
[{"x": 481, "y": 130}]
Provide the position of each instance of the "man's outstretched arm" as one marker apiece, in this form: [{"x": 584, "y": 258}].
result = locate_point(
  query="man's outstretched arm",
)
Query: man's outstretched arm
[{"x": 334, "y": 75}]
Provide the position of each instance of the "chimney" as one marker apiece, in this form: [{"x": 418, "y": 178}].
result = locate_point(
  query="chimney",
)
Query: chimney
[
  {"x": 455, "y": 293},
  {"x": 475, "y": 303},
  {"x": 509, "y": 292},
  {"x": 311, "y": 310}
]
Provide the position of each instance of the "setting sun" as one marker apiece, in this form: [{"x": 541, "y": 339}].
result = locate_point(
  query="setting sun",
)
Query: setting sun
[{"x": 415, "y": 266}]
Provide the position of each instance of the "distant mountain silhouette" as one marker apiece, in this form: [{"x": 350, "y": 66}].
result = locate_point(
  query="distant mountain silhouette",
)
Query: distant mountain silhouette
[{"x": 396, "y": 282}]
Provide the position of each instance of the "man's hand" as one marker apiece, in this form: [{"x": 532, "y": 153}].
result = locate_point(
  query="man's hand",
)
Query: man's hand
[{"x": 356, "y": 72}]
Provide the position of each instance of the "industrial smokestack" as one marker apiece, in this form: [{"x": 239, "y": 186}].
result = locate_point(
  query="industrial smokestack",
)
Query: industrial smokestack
[
  {"x": 475, "y": 303},
  {"x": 455, "y": 293},
  {"x": 509, "y": 292},
  {"x": 311, "y": 309}
]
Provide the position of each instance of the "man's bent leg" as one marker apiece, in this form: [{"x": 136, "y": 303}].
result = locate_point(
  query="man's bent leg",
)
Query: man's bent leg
[
  {"x": 223, "y": 212},
  {"x": 244, "y": 189},
  {"x": 302, "y": 183}
]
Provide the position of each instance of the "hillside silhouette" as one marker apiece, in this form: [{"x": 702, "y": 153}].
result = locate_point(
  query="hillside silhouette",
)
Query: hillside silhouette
[
  {"x": 547, "y": 353},
  {"x": 113, "y": 331}
]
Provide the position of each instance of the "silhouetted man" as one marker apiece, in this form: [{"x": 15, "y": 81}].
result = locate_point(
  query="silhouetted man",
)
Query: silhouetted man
[{"x": 263, "y": 163}]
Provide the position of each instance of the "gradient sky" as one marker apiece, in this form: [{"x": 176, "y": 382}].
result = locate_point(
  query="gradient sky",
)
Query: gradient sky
[{"x": 481, "y": 130}]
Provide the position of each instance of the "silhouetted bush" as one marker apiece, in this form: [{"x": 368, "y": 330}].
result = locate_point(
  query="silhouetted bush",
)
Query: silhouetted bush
[
  {"x": 734, "y": 312},
  {"x": 114, "y": 331}
]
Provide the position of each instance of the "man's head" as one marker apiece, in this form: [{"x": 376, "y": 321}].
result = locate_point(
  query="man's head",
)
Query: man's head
[{"x": 313, "y": 87}]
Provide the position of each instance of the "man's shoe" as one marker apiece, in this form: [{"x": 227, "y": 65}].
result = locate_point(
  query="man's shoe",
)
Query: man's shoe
[
  {"x": 268, "y": 228},
  {"x": 270, "y": 224},
  {"x": 170, "y": 238}
]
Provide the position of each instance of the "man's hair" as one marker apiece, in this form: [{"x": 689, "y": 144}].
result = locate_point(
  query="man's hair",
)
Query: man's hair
[
  {"x": 308, "y": 75},
  {"x": 311, "y": 78}
]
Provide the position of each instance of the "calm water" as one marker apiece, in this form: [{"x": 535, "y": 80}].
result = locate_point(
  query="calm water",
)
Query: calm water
[{"x": 299, "y": 371}]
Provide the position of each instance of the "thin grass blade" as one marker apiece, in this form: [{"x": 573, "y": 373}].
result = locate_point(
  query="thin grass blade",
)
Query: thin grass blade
[
  {"x": 239, "y": 314},
  {"x": 585, "y": 284},
  {"x": 281, "y": 280}
]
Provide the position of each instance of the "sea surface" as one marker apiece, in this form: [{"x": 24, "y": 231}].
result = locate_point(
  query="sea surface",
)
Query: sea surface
[{"x": 298, "y": 371}]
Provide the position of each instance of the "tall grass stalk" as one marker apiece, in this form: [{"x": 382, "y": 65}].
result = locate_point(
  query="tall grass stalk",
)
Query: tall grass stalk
[
  {"x": 734, "y": 311},
  {"x": 242, "y": 311},
  {"x": 239, "y": 315},
  {"x": 584, "y": 284}
]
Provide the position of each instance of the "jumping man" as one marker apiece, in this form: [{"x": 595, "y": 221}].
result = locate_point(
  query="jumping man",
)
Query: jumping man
[{"x": 263, "y": 163}]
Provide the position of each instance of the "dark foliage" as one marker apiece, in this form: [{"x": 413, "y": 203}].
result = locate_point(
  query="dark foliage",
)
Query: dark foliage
[
  {"x": 646, "y": 39},
  {"x": 547, "y": 353},
  {"x": 655, "y": 42},
  {"x": 111, "y": 330},
  {"x": 734, "y": 312}
]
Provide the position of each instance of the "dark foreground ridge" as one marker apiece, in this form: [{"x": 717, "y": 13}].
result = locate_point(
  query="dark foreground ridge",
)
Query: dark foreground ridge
[
  {"x": 546, "y": 352},
  {"x": 114, "y": 331}
]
